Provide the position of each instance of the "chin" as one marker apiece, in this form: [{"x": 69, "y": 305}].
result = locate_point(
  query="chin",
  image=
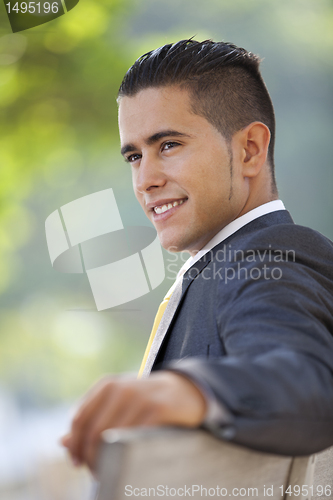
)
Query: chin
[
  {"x": 171, "y": 247},
  {"x": 178, "y": 239},
  {"x": 170, "y": 244}
]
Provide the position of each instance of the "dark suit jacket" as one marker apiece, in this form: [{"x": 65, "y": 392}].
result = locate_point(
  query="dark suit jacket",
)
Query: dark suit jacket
[{"x": 255, "y": 324}]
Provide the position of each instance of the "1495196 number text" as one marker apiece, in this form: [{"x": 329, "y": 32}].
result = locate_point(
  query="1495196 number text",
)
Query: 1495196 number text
[{"x": 33, "y": 7}]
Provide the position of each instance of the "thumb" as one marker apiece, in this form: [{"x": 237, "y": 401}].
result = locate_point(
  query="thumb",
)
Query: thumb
[{"x": 66, "y": 440}]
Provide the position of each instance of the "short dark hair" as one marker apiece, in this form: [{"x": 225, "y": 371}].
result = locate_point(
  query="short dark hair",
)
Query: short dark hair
[{"x": 224, "y": 82}]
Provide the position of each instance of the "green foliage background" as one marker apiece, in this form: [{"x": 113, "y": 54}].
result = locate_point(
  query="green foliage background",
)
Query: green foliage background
[{"x": 59, "y": 141}]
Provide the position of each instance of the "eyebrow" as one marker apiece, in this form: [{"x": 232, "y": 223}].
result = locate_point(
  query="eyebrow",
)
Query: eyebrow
[{"x": 153, "y": 139}]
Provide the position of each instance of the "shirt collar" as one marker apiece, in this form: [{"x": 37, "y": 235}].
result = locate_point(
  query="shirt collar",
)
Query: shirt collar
[{"x": 229, "y": 229}]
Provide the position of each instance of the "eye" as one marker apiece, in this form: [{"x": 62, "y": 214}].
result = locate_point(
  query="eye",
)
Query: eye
[
  {"x": 132, "y": 158},
  {"x": 169, "y": 145}
]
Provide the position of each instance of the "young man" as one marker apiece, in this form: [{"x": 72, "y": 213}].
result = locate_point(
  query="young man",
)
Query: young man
[{"x": 245, "y": 344}]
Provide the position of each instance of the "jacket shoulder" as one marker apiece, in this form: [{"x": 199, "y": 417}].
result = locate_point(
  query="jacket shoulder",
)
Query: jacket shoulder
[{"x": 280, "y": 235}]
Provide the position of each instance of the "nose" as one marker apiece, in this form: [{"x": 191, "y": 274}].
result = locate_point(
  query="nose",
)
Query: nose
[{"x": 149, "y": 175}]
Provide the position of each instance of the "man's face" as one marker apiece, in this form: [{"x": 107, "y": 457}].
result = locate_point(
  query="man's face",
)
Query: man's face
[{"x": 181, "y": 168}]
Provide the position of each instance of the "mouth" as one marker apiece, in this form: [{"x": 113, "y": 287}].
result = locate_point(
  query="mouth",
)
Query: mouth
[
  {"x": 165, "y": 207},
  {"x": 161, "y": 209}
]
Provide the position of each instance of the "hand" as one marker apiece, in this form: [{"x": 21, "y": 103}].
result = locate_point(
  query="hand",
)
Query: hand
[{"x": 164, "y": 398}]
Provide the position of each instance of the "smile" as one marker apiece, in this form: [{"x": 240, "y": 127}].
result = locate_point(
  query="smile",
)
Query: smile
[{"x": 164, "y": 208}]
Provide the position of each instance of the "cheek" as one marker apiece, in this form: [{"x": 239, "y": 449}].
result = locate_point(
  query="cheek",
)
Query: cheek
[
  {"x": 139, "y": 197},
  {"x": 137, "y": 193},
  {"x": 135, "y": 189}
]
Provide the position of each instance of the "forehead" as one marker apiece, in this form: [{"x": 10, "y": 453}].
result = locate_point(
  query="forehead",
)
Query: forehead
[{"x": 155, "y": 109}]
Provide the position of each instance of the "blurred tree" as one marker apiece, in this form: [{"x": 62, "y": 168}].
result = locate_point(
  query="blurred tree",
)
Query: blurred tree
[
  {"x": 58, "y": 118},
  {"x": 58, "y": 84},
  {"x": 58, "y": 134}
]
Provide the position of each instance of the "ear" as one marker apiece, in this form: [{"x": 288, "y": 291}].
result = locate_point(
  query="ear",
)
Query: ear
[{"x": 252, "y": 146}]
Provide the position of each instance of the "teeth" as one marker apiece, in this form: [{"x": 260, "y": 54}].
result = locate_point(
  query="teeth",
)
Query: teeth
[
  {"x": 164, "y": 208},
  {"x": 161, "y": 210}
]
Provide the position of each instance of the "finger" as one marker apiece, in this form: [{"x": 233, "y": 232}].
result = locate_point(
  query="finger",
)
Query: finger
[
  {"x": 90, "y": 409},
  {"x": 86, "y": 413},
  {"x": 131, "y": 405},
  {"x": 109, "y": 416},
  {"x": 65, "y": 440}
]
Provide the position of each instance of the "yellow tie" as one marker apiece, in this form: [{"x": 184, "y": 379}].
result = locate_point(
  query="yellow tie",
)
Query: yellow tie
[{"x": 157, "y": 321}]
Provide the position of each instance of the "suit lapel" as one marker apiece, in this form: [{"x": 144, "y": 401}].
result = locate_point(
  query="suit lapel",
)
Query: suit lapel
[{"x": 171, "y": 310}]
